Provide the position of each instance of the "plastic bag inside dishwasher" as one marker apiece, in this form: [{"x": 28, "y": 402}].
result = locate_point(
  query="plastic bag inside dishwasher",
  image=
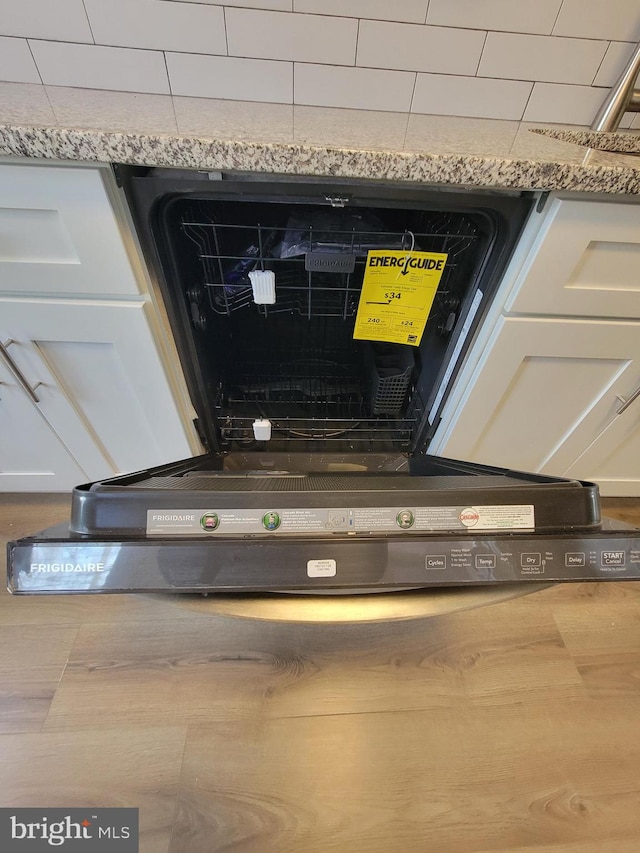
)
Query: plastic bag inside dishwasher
[{"x": 336, "y": 230}]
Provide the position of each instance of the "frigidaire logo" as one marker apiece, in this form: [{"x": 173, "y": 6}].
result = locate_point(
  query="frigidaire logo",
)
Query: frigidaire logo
[
  {"x": 78, "y": 830},
  {"x": 67, "y": 567}
]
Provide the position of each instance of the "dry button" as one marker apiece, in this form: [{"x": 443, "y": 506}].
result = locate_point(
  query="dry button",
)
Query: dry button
[
  {"x": 271, "y": 520},
  {"x": 405, "y": 519}
]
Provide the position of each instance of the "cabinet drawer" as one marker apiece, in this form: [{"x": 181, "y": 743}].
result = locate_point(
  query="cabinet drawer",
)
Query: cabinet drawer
[
  {"x": 584, "y": 262},
  {"x": 59, "y": 235}
]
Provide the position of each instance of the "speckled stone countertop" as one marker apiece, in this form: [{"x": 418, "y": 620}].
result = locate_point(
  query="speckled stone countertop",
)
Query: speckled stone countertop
[{"x": 160, "y": 130}]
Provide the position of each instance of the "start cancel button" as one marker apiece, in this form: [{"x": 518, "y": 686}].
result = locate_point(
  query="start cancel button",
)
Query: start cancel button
[{"x": 612, "y": 558}]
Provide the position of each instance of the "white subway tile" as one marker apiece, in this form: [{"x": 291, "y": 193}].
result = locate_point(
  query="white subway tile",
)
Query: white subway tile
[
  {"x": 355, "y": 88},
  {"x": 260, "y": 122},
  {"x": 158, "y": 25},
  {"x": 16, "y": 62},
  {"x": 448, "y": 135},
  {"x": 63, "y": 20},
  {"x": 277, "y": 5},
  {"x": 614, "y": 61},
  {"x": 541, "y": 58},
  {"x": 563, "y": 104},
  {"x": 618, "y": 20},
  {"x": 98, "y": 67},
  {"x": 25, "y": 103},
  {"x": 419, "y": 48},
  {"x": 349, "y": 128},
  {"x": 470, "y": 96},
  {"x": 231, "y": 78},
  {"x": 517, "y": 16},
  {"x": 278, "y": 35},
  {"x": 107, "y": 110},
  {"x": 411, "y": 11}
]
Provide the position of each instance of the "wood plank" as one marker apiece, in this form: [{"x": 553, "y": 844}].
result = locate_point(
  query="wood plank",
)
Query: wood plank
[
  {"x": 214, "y": 668},
  {"x": 137, "y": 768},
  {"x": 610, "y": 673},
  {"x": 493, "y": 779},
  {"x": 30, "y": 670}
]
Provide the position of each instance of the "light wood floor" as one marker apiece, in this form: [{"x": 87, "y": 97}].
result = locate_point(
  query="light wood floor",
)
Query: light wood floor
[{"x": 512, "y": 727}]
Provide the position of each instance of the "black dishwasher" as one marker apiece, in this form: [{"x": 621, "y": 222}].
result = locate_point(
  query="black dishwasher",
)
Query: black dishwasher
[{"x": 320, "y": 325}]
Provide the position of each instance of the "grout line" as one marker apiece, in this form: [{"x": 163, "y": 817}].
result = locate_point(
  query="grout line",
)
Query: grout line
[
  {"x": 556, "y": 18},
  {"x": 413, "y": 91},
  {"x": 604, "y": 56},
  {"x": 484, "y": 44},
  {"x": 526, "y": 106},
  {"x": 88, "y": 21},
  {"x": 166, "y": 68},
  {"x": 426, "y": 13},
  {"x": 224, "y": 21},
  {"x": 355, "y": 58},
  {"x": 293, "y": 83},
  {"x": 37, "y": 69}
]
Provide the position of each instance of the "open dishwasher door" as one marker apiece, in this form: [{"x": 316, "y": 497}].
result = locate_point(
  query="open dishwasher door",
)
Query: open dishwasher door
[{"x": 189, "y": 527}]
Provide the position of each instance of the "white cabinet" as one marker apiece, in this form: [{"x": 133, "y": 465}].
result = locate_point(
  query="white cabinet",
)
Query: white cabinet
[
  {"x": 80, "y": 328},
  {"x": 32, "y": 457},
  {"x": 542, "y": 386},
  {"x": 585, "y": 261},
  {"x": 58, "y": 233},
  {"x": 545, "y": 390},
  {"x": 96, "y": 366}
]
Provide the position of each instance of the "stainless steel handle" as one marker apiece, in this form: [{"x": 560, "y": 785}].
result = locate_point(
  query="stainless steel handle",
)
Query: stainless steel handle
[
  {"x": 626, "y": 403},
  {"x": 17, "y": 373}
]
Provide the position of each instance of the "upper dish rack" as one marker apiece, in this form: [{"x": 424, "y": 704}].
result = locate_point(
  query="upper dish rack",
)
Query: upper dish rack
[{"x": 229, "y": 252}]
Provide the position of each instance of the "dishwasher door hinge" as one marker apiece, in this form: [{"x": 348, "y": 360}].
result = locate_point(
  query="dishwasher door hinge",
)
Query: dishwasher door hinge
[
  {"x": 117, "y": 174},
  {"x": 542, "y": 201}
]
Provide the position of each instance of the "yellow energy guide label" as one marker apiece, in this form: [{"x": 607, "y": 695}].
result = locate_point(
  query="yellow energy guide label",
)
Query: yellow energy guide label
[{"x": 397, "y": 294}]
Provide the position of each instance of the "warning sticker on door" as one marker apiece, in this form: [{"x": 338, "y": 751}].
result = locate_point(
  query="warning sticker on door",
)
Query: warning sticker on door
[{"x": 398, "y": 290}]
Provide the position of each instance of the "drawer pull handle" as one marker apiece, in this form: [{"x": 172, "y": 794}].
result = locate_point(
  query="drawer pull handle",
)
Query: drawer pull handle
[
  {"x": 626, "y": 403},
  {"x": 17, "y": 373}
]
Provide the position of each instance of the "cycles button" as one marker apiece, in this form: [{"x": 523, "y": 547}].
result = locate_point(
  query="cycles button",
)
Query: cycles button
[{"x": 435, "y": 561}]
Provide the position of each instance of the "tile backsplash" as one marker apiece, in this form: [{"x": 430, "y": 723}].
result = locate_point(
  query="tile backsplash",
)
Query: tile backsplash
[{"x": 543, "y": 61}]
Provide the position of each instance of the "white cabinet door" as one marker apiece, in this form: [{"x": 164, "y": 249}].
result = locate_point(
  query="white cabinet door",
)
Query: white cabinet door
[
  {"x": 32, "y": 457},
  {"x": 543, "y": 391},
  {"x": 612, "y": 459},
  {"x": 103, "y": 387},
  {"x": 585, "y": 261},
  {"x": 59, "y": 235}
]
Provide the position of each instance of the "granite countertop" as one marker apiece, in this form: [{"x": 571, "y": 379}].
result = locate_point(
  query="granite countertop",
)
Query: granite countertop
[{"x": 161, "y": 130}]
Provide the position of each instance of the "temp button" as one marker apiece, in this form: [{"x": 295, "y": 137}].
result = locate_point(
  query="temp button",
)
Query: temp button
[{"x": 485, "y": 561}]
